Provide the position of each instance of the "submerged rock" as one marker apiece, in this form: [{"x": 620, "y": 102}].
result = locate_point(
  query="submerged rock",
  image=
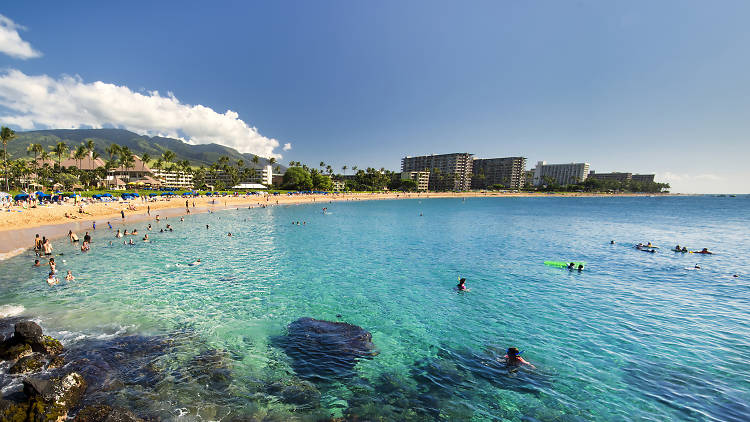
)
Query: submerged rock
[
  {"x": 325, "y": 349},
  {"x": 104, "y": 413},
  {"x": 297, "y": 392}
]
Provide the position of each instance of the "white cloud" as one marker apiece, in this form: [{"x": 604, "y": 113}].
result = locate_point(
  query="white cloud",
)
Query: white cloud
[
  {"x": 68, "y": 102},
  {"x": 287, "y": 146},
  {"x": 11, "y": 42}
]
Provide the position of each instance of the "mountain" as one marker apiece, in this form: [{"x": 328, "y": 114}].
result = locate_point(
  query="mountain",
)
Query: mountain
[{"x": 205, "y": 154}]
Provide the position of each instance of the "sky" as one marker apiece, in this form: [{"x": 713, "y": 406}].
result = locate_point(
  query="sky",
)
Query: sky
[{"x": 638, "y": 86}]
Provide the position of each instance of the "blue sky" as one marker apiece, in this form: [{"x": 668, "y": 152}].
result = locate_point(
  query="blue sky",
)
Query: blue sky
[{"x": 633, "y": 86}]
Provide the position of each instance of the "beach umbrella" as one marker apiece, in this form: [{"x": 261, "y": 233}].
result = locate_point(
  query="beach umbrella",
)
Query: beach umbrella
[
  {"x": 21, "y": 196},
  {"x": 152, "y": 194},
  {"x": 4, "y": 194}
]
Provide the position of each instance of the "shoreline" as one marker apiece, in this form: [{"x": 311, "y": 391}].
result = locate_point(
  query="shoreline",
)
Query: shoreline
[{"x": 18, "y": 230}]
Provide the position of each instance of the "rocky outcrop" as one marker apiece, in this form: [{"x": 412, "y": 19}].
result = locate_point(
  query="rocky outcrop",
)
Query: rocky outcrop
[
  {"x": 28, "y": 364},
  {"x": 27, "y": 338},
  {"x": 325, "y": 349},
  {"x": 48, "y": 399}
]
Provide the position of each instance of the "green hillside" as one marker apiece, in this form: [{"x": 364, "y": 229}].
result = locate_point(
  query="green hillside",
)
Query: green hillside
[{"x": 197, "y": 154}]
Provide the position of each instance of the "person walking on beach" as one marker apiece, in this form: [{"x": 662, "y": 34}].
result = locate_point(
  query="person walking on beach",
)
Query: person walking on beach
[
  {"x": 122, "y": 213},
  {"x": 149, "y": 210}
]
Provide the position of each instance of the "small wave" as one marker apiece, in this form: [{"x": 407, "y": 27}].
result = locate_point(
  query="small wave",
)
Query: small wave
[
  {"x": 11, "y": 254},
  {"x": 11, "y": 310}
]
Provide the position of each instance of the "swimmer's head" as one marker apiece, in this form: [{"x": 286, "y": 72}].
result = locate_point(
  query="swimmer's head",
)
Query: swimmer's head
[{"x": 513, "y": 352}]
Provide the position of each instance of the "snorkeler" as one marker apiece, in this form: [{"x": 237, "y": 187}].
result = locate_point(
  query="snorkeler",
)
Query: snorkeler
[
  {"x": 580, "y": 267},
  {"x": 513, "y": 358},
  {"x": 461, "y": 286}
]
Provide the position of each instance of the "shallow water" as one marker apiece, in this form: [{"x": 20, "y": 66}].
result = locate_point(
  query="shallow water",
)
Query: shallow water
[{"x": 635, "y": 336}]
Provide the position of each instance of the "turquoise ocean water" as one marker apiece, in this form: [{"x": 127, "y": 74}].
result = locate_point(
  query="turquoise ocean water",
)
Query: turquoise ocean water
[{"x": 636, "y": 336}]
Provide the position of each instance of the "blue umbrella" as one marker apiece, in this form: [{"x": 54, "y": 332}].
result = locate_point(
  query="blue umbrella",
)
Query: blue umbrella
[{"x": 21, "y": 196}]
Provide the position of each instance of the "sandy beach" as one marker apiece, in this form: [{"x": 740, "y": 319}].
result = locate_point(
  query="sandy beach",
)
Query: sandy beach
[{"x": 18, "y": 225}]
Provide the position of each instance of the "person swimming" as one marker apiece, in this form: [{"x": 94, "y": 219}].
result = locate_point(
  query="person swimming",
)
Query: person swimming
[
  {"x": 572, "y": 266},
  {"x": 611, "y": 242},
  {"x": 461, "y": 286},
  {"x": 37, "y": 263},
  {"x": 51, "y": 279},
  {"x": 69, "y": 276},
  {"x": 196, "y": 262},
  {"x": 145, "y": 237},
  {"x": 513, "y": 358},
  {"x": 704, "y": 251},
  {"x": 85, "y": 246},
  {"x": 118, "y": 234},
  {"x": 580, "y": 267},
  {"x": 149, "y": 227}
]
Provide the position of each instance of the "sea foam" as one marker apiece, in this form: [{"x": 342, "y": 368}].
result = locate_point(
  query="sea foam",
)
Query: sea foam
[{"x": 11, "y": 310}]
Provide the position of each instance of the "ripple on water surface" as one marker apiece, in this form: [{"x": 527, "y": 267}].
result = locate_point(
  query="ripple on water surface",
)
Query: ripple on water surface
[{"x": 635, "y": 336}]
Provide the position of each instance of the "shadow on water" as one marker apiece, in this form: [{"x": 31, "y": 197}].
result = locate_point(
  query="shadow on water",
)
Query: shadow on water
[{"x": 442, "y": 388}]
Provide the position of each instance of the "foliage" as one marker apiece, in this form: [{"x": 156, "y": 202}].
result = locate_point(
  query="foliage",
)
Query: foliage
[
  {"x": 297, "y": 178},
  {"x": 321, "y": 181}
]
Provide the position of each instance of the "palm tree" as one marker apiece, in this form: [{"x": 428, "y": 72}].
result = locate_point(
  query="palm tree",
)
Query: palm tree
[
  {"x": 112, "y": 150},
  {"x": 343, "y": 168},
  {"x": 144, "y": 160},
  {"x": 240, "y": 163},
  {"x": 59, "y": 150},
  {"x": 167, "y": 156},
  {"x": 329, "y": 169},
  {"x": 321, "y": 165},
  {"x": 80, "y": 154},
  {"x": 35, "y": 149},
  {"x": 126, "y": 159},
  {"x": 272, "y": 161},
  {"x": 354, "y": 169},
  {"x": 90, "y": 148},
  {"x": 255, "y": 160},
  {"x": 277, "y": 169},
  {"x": 158, "y": 163},
  {"x": 6, "y": 135}
]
